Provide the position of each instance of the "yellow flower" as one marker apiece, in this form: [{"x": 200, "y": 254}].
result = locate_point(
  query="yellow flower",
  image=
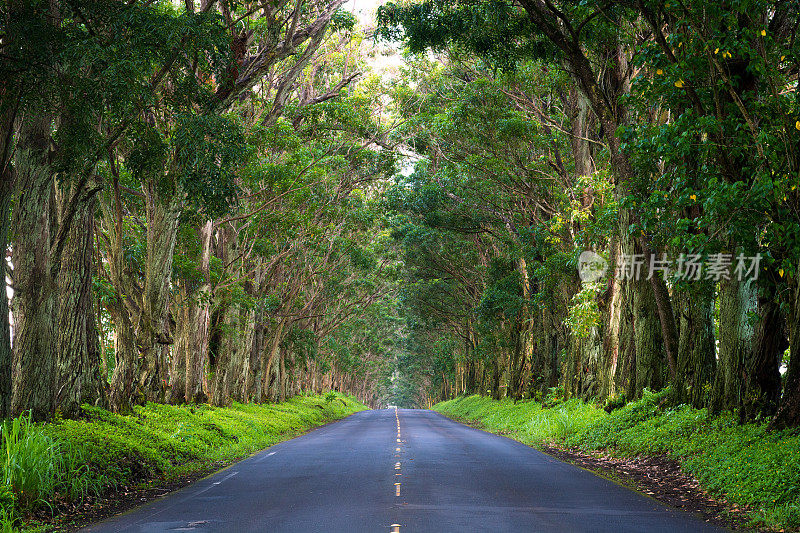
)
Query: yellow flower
[
  {"x": 783, "y": 57},
  {"x": 763, "y": 33},
  {"x": 797, "y": 124},
  {"x": 659, "y": 72},
  {"x": 679, "y": 84},
  {"x": 693, "y": 197},
  {"x": 780, "y": 272},
  {"x": 716, "y": 51}
]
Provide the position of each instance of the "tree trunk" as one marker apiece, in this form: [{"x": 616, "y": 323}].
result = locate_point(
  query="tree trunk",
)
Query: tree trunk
[
  {"x": 7, "y": 178},
  {"x": 34, "y": 288},
  {"x": 737, "y": 302},
  {"x": 696, "y": 349},
  {"x": 256, "y": 366},
  {"x": 240, "y": 363},
  {"x": 272, "y": 356},
  {"x": 788, "y": 414},
  {"x": 197, "y": 356},
  {"x": 762, "y": 375},
  {"x": 162, "y": 231},
  {"x": 123, "y": 308},
  {"x": 611, "y": 316},
  {"x": 180, "y": 350},
  {"x": 282, "y": 380},
  {"x": 649, "y": 345},
  {"x": 625, "y": 377},
  {"x": 526, "y": 328},
  {"x": 126, "y": 358},
  {"x": 515, "y": 361},
  {"x": 199, "y": 328},
  {"x": 78, "y": 347},
  {"x": 6, "y": 356}
]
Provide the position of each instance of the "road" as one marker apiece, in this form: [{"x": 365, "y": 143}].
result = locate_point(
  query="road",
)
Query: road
[{"x": 407, "y": 471}]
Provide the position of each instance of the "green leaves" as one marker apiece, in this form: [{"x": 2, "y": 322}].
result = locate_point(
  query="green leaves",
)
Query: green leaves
[
  {"x": 494, "y": 29},
  {"x": 209, "y": 151}
]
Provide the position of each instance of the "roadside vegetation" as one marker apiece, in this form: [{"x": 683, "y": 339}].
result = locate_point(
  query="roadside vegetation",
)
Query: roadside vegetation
[
  {"x": 49, "y": 468},
  {"x": 743, "y": 463}
]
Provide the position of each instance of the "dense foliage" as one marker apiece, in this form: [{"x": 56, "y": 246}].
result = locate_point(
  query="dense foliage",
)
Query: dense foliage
[
  {"x": 190, "y": 200},
  {"x": 227, "y": 201},
  {"x": 656, "y": 142}
]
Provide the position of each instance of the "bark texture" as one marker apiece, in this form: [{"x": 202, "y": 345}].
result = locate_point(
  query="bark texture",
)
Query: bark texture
[
  {"x": 78, "y": 346},
  {"x": 34, "y": 287}
]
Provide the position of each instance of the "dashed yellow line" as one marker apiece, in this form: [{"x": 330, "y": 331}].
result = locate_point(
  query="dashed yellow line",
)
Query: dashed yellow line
[{"x": 395, "y": 528}]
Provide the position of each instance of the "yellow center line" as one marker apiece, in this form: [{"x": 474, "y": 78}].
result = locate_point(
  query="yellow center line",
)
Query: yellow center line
[{"x": 395, "y": 528}]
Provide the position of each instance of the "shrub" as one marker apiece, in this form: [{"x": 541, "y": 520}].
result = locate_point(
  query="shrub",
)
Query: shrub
[
  {"x": 615, "y": 401},
  {"x": 32, "y": 463}
]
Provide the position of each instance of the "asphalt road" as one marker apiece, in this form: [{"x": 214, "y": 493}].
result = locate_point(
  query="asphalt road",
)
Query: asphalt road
[{"x": 418, "y": 470}]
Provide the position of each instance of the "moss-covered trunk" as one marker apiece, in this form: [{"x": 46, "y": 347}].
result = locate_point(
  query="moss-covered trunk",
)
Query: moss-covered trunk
[
  {"x": 199, "y": 330},
  {"x": 648, "y": 342},
  {"x": 253, "y": 381},
  {"x": 645, "y": 328},
  {"x": 180, "y": 349},
  {"x": 696, "y": 348},
  {"x": 126, "y": 358},
  {"x": 162, "y": 211},
  {"x": 737, "y": 301},
  {"x": 526, "y": 330},
  {"x": 611, "y": 321}
]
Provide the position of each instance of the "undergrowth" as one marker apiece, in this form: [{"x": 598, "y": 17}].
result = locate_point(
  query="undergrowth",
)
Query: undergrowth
[
  {"x": 745, "y": 464},
  {"x": 66, "y": 461}
]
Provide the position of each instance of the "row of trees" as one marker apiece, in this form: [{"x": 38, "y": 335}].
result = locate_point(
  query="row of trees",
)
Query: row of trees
[
  {"x": 187, "y": 195},
  {"x": 630, "y": 129}
]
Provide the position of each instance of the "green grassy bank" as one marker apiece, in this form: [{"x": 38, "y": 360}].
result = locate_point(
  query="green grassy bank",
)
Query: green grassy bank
[
  {"x": 743, "y": 463},
  {"x": 51, "y": 466}
]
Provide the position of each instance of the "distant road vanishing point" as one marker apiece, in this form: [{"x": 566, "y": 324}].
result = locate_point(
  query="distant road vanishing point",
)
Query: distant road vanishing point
[{"x": 399, "y": 470}]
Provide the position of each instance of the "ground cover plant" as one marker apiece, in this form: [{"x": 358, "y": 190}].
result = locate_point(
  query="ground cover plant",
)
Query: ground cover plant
[{"x": 51, "y": 464}]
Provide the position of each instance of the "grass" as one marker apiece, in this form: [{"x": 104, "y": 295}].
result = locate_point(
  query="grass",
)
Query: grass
[
  {"x": 745, "y": 464},
  {"x": 69, "y": 460}
]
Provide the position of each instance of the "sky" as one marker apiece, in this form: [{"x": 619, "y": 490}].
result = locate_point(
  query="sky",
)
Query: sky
[{"x": 364, "y": 9}]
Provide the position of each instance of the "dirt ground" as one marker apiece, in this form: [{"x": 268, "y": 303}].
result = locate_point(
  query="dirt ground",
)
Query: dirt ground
[{"x": 660, "y": 478}]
